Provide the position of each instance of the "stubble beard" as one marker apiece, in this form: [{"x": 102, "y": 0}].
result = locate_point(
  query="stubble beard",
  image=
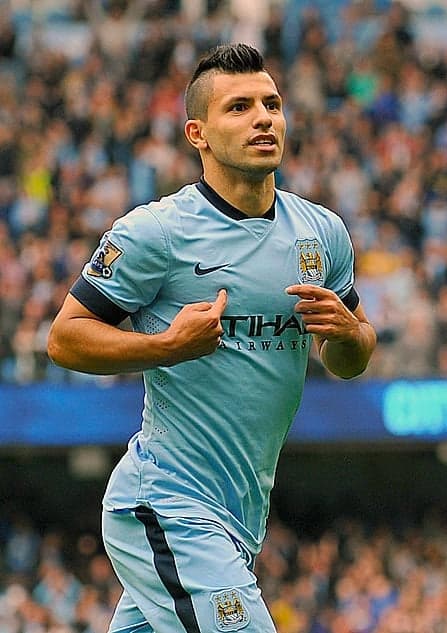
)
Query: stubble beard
[{"x": 252, "y": 170}]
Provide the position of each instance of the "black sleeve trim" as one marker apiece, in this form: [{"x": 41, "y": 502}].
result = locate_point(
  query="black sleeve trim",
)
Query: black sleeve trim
[
  {"x": 96, "y": 302},
  {"x": 352, "y": 299}
]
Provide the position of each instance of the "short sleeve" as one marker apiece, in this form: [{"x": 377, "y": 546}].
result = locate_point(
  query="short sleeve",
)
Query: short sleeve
[
  {"x": 340, "y": 276},
  {"x": 131, "y": 261}
]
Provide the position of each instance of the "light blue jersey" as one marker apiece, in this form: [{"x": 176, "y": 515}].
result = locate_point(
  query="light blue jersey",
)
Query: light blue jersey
[{"x": 213, "y": 427}]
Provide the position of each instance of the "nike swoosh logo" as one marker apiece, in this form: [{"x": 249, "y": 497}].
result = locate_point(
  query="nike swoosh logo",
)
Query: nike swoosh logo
[{"x": 205, "y": 271}]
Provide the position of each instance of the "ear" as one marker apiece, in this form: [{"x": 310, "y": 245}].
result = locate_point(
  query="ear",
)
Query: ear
[{"x": 194, "y": 132}]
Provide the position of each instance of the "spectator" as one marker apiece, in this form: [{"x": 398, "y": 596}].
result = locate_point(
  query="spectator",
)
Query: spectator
[{"x": 91, "y": 130}]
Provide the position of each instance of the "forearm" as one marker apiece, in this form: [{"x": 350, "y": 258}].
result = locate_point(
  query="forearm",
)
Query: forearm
[
  {"x": 347, "y": 359},
  {"x": 95, "y": 347},
  {"x": 80, "y": 340}
]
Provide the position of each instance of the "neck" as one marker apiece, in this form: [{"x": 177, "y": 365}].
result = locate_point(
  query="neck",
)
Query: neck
[{"x": 252, "y": 197}]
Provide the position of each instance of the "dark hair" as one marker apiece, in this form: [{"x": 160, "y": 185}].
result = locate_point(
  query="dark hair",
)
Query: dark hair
[{"x": 227, "y": 58}]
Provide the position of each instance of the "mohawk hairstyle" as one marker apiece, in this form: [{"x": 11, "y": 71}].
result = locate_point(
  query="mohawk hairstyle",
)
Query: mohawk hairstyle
[{"x": 227, "y": 58}]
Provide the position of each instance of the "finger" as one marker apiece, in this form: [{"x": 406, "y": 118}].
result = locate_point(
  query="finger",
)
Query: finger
[
  {"x": 308, "y": 291},
  {"x": 310, "y": 318},
  {"x": 316, "y": 328},
  {"x": 309, "y": 306},
  {"x": 221, "y": 302},
  {"x": 201, "y": 306},
  {"x": 305, "y": 307}
]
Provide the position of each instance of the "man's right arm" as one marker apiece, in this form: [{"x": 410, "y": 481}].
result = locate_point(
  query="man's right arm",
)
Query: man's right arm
[{"x": 81, "y": 341}]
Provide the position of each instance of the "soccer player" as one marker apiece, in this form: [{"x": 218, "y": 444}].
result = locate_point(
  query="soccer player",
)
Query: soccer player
[{"x": 226, "y": 282}]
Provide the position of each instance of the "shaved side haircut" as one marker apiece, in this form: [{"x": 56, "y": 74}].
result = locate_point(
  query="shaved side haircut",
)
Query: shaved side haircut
[{"x": 228, "y": 58}]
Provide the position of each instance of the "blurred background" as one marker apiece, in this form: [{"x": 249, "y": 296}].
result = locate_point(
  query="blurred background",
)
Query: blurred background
[{"x": 91, "y": 124}]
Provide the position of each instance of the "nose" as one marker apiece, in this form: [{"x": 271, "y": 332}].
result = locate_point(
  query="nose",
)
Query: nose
[{"x": 263, "y": 117}]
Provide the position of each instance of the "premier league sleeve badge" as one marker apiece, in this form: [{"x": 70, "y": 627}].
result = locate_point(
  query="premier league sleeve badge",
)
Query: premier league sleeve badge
[{"x": 105, "y": 256}]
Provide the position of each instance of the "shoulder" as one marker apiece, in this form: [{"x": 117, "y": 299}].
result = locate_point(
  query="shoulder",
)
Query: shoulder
[
  {"x": 158, "y": 217},
  {"x": 311, "y": 211}
]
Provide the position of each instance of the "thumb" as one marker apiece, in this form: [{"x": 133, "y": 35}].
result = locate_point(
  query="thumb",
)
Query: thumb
[{"x": 221, "y": 302}]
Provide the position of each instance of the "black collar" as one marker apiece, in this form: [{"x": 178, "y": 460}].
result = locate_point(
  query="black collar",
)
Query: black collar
[{"x": 225, "y": 207}]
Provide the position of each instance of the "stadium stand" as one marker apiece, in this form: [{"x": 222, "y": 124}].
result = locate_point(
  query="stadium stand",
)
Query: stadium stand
[
  {"x": 91, "y": 117},
  {"x": 348, "y": 579}
]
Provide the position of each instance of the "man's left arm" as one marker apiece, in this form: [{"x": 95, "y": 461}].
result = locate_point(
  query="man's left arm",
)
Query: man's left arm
[{"x": 345, "y": 338}]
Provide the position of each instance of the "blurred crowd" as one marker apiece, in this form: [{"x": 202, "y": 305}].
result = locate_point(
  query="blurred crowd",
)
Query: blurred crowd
[
  {"x": 348, "y": 579},
  {"x": 352, "y": 579},
  {"x": 91, "y": 124},
  {"x": 53, "y": 582}
]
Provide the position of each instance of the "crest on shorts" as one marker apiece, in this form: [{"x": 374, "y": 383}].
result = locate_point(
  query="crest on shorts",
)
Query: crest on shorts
[
  {"x": 101, "y": 264},
  {"x": 310, "y": 262},
  {"x": 230, "y": 613}
]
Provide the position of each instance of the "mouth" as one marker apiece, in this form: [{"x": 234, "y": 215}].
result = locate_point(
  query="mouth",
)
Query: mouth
[{"x": 263, "y": 141}]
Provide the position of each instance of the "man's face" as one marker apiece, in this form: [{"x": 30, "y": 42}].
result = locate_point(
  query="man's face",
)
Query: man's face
[{"x": 245, "y": 127}]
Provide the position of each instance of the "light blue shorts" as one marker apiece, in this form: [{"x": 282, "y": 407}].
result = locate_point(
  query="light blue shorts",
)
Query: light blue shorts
[{"x": 181, "y": 575}]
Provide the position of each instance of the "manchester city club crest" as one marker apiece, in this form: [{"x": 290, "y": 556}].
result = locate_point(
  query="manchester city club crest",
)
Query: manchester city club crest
[
  {"x": 310, "y": 262},
  {"x": 230, "y": 613},
  {"x": 101, "y": 264}
]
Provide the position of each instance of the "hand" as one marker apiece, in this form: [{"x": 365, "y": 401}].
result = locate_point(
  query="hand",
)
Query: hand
[
  {"x": 324, "y": 313},
  {"x": 196, "y": 330}
]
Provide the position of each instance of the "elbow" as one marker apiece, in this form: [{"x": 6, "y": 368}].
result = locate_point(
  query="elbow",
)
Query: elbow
[
  {"x": 345, "y": 373},
  {"x": 355, "y": 373},
  {"x": 350, "y": 370},
  {"x": 347, "y": 367},
  {"x": 55, "y": 349},
  {"x": 64, "y": 351}
]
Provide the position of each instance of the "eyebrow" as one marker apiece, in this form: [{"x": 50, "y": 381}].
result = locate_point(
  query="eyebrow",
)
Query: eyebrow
[{"x": 271, "y": 97}]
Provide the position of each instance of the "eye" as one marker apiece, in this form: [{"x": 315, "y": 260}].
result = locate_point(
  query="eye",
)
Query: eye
[
  {"x": 239, "y": 107},
  {"x": 273, "y": 106}
]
